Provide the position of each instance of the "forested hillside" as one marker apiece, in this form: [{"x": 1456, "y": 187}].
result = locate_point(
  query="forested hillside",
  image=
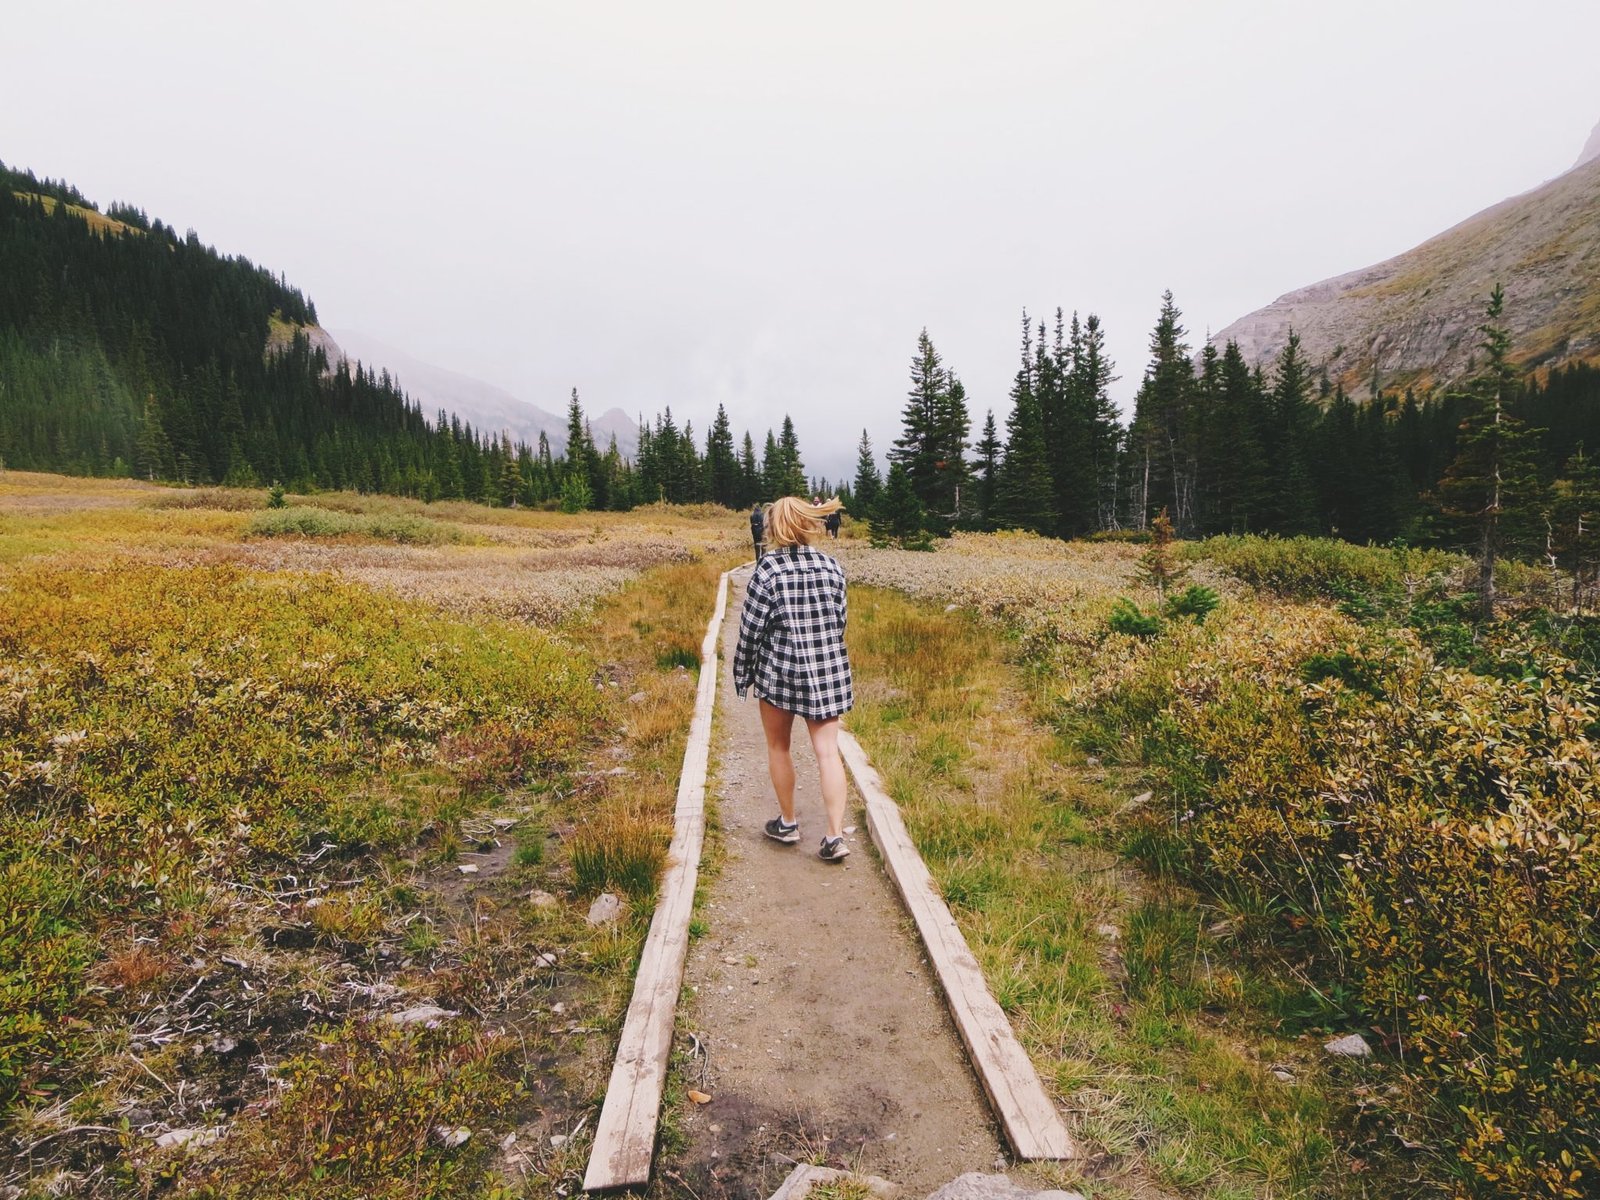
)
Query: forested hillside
[{"x": 128, "y": 350}]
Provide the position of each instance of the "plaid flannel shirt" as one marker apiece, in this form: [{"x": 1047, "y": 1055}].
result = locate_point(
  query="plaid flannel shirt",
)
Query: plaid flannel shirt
[{"x": 791, "y": 634}]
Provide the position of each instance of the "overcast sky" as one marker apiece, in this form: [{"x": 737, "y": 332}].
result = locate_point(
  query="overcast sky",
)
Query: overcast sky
[{"x": 688, "y": 203}]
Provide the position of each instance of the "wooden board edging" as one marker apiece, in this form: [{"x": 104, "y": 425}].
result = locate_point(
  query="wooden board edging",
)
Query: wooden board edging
[
  {"x": 625, "y": 1136},
  {"x": 1030, "y": 1120}
]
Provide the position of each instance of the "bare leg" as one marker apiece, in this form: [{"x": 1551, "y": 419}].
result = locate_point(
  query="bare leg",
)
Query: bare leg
[
  {"x": 776, "y": 724},
  {"x": 825, "y": 741}
]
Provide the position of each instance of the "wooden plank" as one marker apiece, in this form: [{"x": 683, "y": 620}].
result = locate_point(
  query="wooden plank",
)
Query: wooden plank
[
  {"x": 1031, "y": 1123},
  {"x": 625, "y": 1137}
]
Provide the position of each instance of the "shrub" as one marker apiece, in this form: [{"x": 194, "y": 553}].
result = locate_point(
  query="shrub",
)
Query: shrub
[
  {"x": 299, "y": 520},
  {"x": 1423, "y": 834},
  {"x": 1196, "y": 601},
  {"x": 1310, "y": 568},
  {"x": 1127, "y": 618}
]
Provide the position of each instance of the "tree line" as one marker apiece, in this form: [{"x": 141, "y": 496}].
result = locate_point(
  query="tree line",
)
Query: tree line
[
  {"x": 137, "y": 352},
  {"x": 1224, "y": 447}
]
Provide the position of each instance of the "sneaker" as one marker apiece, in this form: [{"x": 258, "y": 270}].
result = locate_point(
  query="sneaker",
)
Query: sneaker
[
  {"x": 833, "y": 850},
  {"x": 779, "y": 831}
]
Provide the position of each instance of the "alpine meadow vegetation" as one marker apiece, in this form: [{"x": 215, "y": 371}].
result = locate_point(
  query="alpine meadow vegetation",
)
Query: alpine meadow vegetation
[{"x": 294, "y": 862}]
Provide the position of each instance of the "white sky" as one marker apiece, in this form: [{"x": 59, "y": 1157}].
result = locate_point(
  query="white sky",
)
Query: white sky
[{"x": 684, "y": 202}]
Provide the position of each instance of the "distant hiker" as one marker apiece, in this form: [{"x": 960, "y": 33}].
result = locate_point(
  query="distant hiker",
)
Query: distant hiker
[
  {"x": 791, "y": 652},
  {"x": 831, "y": 523},
  {"x": 757, "y": 526}
]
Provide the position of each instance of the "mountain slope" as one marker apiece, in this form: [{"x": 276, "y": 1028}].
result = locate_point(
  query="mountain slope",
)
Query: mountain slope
[
  {"x": 1413, "y": 319},
  {"x": 489, "y": 409}
]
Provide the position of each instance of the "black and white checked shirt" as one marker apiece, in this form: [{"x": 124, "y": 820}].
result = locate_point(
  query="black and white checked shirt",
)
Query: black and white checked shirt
[{"x": 791, "y": 634}]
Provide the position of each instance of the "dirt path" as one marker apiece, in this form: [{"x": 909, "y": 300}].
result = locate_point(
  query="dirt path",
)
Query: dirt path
[{"x": 825, "y": 1034}]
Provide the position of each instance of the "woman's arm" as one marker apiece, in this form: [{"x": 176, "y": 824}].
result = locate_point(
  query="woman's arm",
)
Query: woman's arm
[{"x": 754, "y": 617}]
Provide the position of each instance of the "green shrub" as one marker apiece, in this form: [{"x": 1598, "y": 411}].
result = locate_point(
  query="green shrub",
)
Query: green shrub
[
  {"x": 1126, "y": 618},
  {"x": 299, "y": 520},
  {"x": 1423, "y": 835},
  {"x": 621, "y": 849},
  {"x": 1306, "y": 567},
  {"x": 1196, "y": 601}
]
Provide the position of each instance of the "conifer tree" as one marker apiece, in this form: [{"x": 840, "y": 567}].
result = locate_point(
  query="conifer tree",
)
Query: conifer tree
[
  {"x": 773, "y": 473},
  {"x": 1163, "y": 431},
  {"x": 868, "y": 482},
  {"x": 988, "y": 468},
  {"x": 792, "y": 481},
  {"x": 1492, "y": 487},
  {"x": 723, "y": 483},
  {"x": 1291, "y": 507},
  {"x": 898, "y": 518},
  {"x": 510, "y": 474},
  {"x": 1575, "y": 525},
  {"x": 1025, "y": 497},
  {"x": 749, "y": 473}
]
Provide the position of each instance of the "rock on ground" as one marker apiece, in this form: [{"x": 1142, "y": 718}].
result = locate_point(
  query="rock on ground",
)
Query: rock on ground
[
  {"x": 1350, "y": 1046},
  {"x": 975, "y": 1186}
]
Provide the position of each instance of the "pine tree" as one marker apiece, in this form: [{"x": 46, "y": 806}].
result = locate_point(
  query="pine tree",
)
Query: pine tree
[
  {"x": 793, "y": 478},
  {"x": 723, "y": 484},
  {"x": 1291, "y": 505},
  {"x": 1025, "y": 497},
  {"x": 898, "y": 518},
  {"x": 772, "y": 470},
  {"x": 749, "y": 473},
  {"x": 1492, "y": 487},
  {"x": 919, "y": 447},
  {"x": 988, "y": 451},
  {"x": 868, "y": 482},
  {"x": 1163, "y": 431},
  {"x": 1575, "y": 525},
  {"x": 510, "y": 474}
]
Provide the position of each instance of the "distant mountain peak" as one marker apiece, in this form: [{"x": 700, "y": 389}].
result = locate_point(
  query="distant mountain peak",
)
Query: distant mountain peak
[
  {"x": 1413, "y": 319},
  {"x": 1591, "y": 148}
]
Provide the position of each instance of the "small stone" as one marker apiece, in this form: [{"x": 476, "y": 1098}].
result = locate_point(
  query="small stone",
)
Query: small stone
[
  {"x": 951, "y": 607},
  {"x": 468, "y": 868},
  {"x": 730, "y": 959},
  {"x": 503, "y": 822},
  {"x": 558, "y": 1140},
  {"x": 1350, "y": 1046},
  {"x": 222, "y": 1044},
  {"x": 605, "y": 909},
  {"x": 1281, "y": 1073},
  {"x": 636, "y": 698},
  {"x": 545, "y": 960},
  {"x": 1110, "y": 932},
  {"x": 1141, "y": 798},
  {"x": 714, "y": 1127},
  {"x": 699, "y": 1097},
  {"x": 189, "y": 1137},
  {"x": 450, "y": 1137},
  {"x": 1092, "y": 760},
  {"x": 541, "y": 899},
  {"x": 429, "y": 1016},
  {"x": 849, "y": 828},
  {"x": 508, "y": 1141},
  {"x": 977, "y": 1186}
]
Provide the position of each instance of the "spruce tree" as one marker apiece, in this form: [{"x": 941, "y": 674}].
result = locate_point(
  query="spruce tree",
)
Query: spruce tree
[
  {"x": 1291, "y": 506},
  {"x": 898, "y": 518},
  {"x": 1025, "y": 497},
  {"x": 792, "y": 481},
  {"x": 1575, "y": 525},
  {"x": 868, "y": 482},
  {"x": 1492, "y": 488},
  {"x": 749, "y": 473},
  {"x": 919, "y": 448},
  {"x": 988, "y": 468},
  {"x": 723, "y": 484},
  {"x": 1163, "y": 433}
]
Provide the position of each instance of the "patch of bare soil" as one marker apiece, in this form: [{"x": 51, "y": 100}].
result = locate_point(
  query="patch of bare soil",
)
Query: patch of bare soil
[{"x": 824, "y": 1035}]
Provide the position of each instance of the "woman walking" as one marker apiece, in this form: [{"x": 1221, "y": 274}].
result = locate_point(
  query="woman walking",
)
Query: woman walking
[{"x": 791, "y": 652}]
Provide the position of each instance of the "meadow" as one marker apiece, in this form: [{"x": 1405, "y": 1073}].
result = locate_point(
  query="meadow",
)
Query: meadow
[
  {"x": 303, "y": 810},
  {"x": 1352, "y": 808}
]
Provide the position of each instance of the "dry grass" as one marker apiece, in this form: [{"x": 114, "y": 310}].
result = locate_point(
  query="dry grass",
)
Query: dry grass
[{"x": 1135, "y": 1017}]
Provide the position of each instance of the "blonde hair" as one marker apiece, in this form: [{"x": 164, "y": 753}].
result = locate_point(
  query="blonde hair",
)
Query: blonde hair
[{"x": 792, "y": 521}]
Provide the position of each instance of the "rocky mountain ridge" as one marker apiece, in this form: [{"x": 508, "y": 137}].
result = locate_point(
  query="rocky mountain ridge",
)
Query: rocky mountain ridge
[{"x": 1413, "y": 319}]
